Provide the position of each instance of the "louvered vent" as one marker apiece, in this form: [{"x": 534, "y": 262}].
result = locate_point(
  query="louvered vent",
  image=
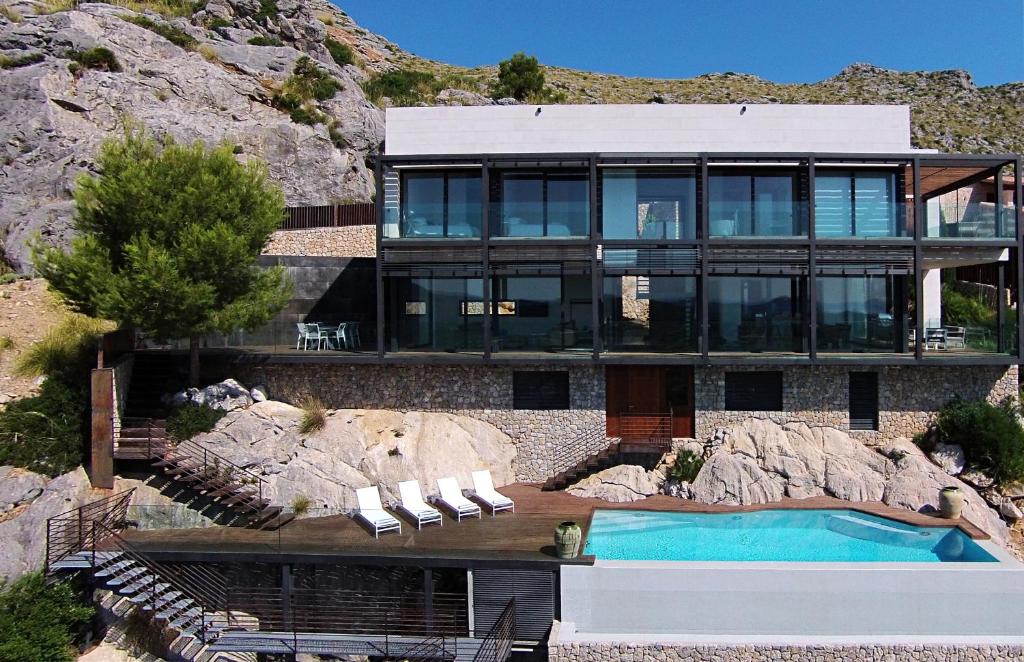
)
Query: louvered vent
[{"x": 535, "y": 594}]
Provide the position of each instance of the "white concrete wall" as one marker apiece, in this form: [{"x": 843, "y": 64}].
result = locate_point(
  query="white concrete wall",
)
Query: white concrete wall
[
  {"x": 657, "y": 600},
  {"x": 648, "y": 128}
]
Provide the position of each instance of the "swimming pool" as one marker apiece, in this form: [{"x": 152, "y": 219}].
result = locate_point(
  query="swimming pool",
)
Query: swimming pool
[{"x": 774, "y": 535}]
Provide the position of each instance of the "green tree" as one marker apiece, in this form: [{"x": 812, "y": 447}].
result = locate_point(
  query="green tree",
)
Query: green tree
[
  {"x": 168, "y": 236},
  {"x": 38, "y": 621},
  {"x": 519, "y": 77}
]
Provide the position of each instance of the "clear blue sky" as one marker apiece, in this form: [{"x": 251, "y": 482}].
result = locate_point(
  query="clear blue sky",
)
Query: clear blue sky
[{"x": 781, "y": 40}]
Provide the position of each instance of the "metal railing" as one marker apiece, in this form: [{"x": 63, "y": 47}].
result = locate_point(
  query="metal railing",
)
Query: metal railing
[
  {"x": 329, "y": 216},
  {"x": 497, "y": 643},
  {"x": 567, "y": 455},
  {"x": 638, "y": 427},
  {"x": 152, "y": 444},
  {"x": 73, "y": 531},
  {"x": 220, "y": 474}
]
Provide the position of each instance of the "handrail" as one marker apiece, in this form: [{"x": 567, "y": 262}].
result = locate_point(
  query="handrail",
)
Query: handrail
[
  {"x": 69, "y": 532},
  {"x": 654, "y": 425},
  {"x": 224, "y": 467},
  {"x": 497, "y": 643}
]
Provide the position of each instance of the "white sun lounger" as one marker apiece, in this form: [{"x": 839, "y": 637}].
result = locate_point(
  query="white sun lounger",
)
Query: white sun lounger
[
  {"x": 414, "y": 506},
  {"x": 372, "y": 512},
  {"x": 451, "y": 497},
  {"x": 483, "y": 488}
]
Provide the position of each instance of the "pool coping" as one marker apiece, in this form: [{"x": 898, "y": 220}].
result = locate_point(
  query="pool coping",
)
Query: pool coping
[{"x": 876, "y": 509}]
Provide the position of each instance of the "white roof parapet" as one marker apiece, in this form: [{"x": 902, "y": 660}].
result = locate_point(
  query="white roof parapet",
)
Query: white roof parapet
[{"x": 648, "y": 128}]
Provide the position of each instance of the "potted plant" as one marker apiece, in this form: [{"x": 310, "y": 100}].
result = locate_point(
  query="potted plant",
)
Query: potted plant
[{"x": 567, "y": 540}]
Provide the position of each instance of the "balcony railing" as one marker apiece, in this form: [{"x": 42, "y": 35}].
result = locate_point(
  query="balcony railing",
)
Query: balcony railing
[
  {"x": 976, "y": 220},
  {"x": 655, "y": 426}
]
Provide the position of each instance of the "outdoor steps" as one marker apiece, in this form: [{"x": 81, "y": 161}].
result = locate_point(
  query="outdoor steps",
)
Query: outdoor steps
[{"x": 598, "y": 461}]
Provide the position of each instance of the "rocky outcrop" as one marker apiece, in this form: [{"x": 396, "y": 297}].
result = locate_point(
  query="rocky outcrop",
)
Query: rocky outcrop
[
  {"x": 759, "y": 461},
  {"x": 23, "y": 529},
  {"x": 52, "y": 122},
  {"x": 357, "y": 448},
  {"x": 227, "y": 395},
  {"x": 949, "y": 457},
  {"x": 619, "y": 484}
]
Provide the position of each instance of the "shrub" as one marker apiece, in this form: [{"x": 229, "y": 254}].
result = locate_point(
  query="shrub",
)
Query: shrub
[
  {"x": 303, "y": 115},
  {"x": 145, "y": 633},
  {"x": 175, "y": 35},
  {"x": 218, "y": 23},
  {"x": 39, "y": 621},
  {"x": 314, "y": 416},
  {"x": 309, "y": 81},
  {"x": 20, "y": 60},
  {"x": 405, "y": 87},
  {"x": 991, "y": 435},
  {"x": 46, "y": 433},
  {"x": 300, "y": 505},
  {"x": 6, "y": 342},
  {"x": 342, "y": 53},
  {"x": 192, "y": 419},
  {"x": 11, "y": 14},
  {"x": 519, "y": 77},
  {"x": 99, "y": 58},
  {"x": 268, "y": 10},
  {"x": 265, "y": 41},
  {"x": 686, "y": 467}
]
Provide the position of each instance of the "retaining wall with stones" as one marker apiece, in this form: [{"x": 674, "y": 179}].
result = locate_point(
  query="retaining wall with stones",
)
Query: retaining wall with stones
[
  {"x": 908, "y": 396},
  {"x": 614, "y": 652},
  {"x": 351, "y": 241},
  {"x": 481, "y": 392}
]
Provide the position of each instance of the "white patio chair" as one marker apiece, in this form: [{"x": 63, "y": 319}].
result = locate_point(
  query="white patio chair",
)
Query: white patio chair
[
  {"x": 303, "y": 338},
  {"x": 935, "y": 338},
  {"x": 372, "y": 512},
  {"x": 483, "y": 488},
  {"x": 956, "y": 337},
  {"x": 451, "y": 497},
  {"x": 414, "y": 506}
]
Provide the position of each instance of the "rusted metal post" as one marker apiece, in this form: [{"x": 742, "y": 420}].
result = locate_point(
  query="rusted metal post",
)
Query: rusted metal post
[{"x": 102, "y": 436}]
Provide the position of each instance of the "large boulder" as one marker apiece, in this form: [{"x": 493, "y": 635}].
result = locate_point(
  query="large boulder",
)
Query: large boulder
[
  {"x": 357, "y": 448},
  {"x": 735, "y": 479},
  {"x": 619, "y": 484},
  {"x": 949, "y": 457},
  {"x": 23, "y": 530},
  {"x": 18, "y": 487},
  {"x": 227, "y": 395}
]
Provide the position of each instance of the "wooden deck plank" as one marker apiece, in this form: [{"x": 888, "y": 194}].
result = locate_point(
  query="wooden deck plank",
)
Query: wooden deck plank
[{"x": 526, "y": 535}]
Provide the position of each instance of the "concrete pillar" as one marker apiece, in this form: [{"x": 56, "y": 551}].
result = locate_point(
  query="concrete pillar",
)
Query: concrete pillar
[{"x": 932, "y": 298}]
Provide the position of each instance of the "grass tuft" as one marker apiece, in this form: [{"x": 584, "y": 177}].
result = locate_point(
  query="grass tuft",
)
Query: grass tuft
[
  {"x": 300, "y": 505},
  {"x": 60, "y": 346},
  {"x": 11, "y": 14},
  {"x": 175, "y": 35},
  {"x": 7, "y": 62},
  {"x": 314, "y": 415}
]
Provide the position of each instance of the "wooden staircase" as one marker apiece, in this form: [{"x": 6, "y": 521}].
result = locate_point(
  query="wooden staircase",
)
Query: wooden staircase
[{"x": 599, "y": 461}]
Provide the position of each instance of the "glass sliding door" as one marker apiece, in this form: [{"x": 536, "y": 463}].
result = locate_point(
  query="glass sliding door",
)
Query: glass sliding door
[
  {"x": 756, "y": 313},
  {"x": 437, "y": 205},
  {"x": 755, "y": 204},
  {"x": 650, "y": 314},
  {"x": 542, "y": 205},
  {"x": 862, "y": 313},
  {"x": 649, "y": 204},
  {"x": 541, "y": 313},
  {"x": 436, "y": 314},
  {"x": 857, "y": 204}
]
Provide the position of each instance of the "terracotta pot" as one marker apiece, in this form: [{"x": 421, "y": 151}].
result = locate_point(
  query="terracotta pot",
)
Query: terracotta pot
[
  {"x": 567, "y": 540},
  {"x": 951, "y": 502}
]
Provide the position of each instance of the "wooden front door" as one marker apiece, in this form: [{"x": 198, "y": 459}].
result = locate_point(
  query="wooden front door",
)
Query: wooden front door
[{"x": 638, "y": 398}]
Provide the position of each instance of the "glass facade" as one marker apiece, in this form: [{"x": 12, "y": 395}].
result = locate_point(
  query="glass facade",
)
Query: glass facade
[
  {"x": 438, "y": 205},
  {"x": 541, "y": 313},
  {"x": 555, "y": 204},
  {"x": 857, "y": 204},
  {"x": 650, "y": 314},
  {"x": 862, "y": 313},
  {"x": 436, "y": 314},
  {"x": 756, "y": 313},
  {"x": 761, "y": 203},
  {"x": 639, "y": 203}
]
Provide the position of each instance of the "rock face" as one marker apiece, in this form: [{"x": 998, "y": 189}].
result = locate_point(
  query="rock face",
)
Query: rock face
[
  {"x": 227, "y": 395},
  {"x": 619, "y": 484},
  {"x": 23, "y": 530},
  {"x": 357, "y": 448},
  {"x": 52, "y": 123},
  {"x": 950, "y": 457},
  {"x": 759, "y": 461}
]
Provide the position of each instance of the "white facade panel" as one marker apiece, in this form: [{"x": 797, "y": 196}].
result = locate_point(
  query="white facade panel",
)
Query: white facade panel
[{"x": 666, "y": 128}]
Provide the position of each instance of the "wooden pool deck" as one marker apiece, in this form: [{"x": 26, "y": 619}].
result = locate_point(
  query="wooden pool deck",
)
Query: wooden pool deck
[{"x": 523, "y": 537}]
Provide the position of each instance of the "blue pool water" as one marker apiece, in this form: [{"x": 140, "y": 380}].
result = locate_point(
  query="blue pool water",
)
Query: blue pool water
[{"x": 773, "y": 535}]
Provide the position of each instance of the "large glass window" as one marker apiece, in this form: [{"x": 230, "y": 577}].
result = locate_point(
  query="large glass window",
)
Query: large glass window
[
  {"x": 862, "y": 313},
  {"x": 756, "y": 313},
  {"x": 543, "y": 205},
  {"x": 542, "y": 313},
  {"x": 754, "y": 204},
  {"x": 436, "y": 314},
  {"x": 648, "y": 204},
  {"x": 857, "y": 204},
  {"x": 438, "y": 204},
  {"x": 650, "y": 314}
]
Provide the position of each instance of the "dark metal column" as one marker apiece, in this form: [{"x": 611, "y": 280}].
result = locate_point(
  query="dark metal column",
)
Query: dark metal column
[
  {"x": 287, "y": 583},
  {"x": 1000, "y": 307},
  {"x": 485, "y": 237},
  {"x": 997, "y": 185},
  {"x": 596, "y": 283},
  {"x": 919, "y": 221},
  {"x": 812, "y": 265},
  {"x": 702, "y": 290},
  {"x": 378, "y": 179}
]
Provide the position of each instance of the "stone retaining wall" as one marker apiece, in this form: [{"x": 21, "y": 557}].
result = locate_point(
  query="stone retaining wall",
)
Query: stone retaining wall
[
  {"x": 908, "y": 396},
  {"x": 482, "y": 392},
  {"x": 614, "y": 652},
  {"x": 352, "y": 241}
]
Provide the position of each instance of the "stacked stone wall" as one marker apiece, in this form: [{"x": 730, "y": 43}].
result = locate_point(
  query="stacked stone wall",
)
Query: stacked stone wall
[
  {"x": 352, "y": 241},
  {"x": 614, "y": 652}
]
